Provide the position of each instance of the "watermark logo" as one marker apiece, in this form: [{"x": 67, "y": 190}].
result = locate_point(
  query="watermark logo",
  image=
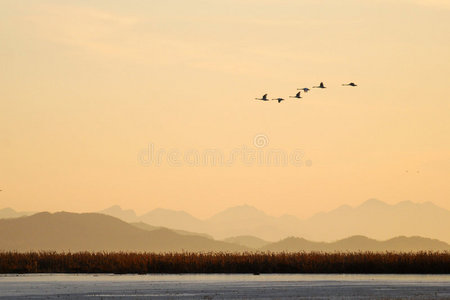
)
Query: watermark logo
[
  {"x": 258, "y": 154},
  {"x": 260, "y": 141}
]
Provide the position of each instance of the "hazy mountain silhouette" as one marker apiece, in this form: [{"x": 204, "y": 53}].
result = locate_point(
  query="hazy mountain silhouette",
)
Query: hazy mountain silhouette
[
  {"x": 372, "y": 218},
  {"x": 8, "y": 213},
  {"x": 246, "y": 220},
  {"x": 234, "y": 221},
  {"x": 65, "y": 231},
  {"x": 177, "y": 220},
  {"x": 359, "y": 243},
  {"x": 173, "y": 219},
  {"x": 127, "y": 215},
  {"x": 247, "y": 241},
  {"x": 148, "y": 227},
  {"x": 96, "y": 232},
  {"x": 381, "y": 221}
]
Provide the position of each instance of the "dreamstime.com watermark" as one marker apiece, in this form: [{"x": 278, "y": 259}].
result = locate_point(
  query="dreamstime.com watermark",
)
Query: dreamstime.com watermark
[{"x": 258, "y": 154}]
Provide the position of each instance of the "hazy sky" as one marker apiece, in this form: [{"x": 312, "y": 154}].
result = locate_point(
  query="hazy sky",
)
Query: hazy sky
[{"x": 87, "y": 86}]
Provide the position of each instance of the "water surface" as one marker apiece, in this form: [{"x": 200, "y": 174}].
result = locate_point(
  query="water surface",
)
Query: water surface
[{"x": 220, "y": 286}]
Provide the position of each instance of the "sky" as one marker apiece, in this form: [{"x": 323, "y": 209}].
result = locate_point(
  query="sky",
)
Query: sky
[{"x": 110, "y": 102}]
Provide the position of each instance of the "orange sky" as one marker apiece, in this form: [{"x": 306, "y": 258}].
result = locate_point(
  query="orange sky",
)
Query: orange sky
[{"x": 86, "y": 86}]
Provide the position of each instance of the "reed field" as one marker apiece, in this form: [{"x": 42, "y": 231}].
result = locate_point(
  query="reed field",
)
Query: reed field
[{"x": 174, "y": 263}]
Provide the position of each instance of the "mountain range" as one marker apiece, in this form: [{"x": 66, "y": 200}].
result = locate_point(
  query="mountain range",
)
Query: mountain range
[
  {"x": 372, "y": 218},
  {"x": 74, "y": 232},
  {"x": 65, "y": 231},
  {"x": 359, "y": 243}
]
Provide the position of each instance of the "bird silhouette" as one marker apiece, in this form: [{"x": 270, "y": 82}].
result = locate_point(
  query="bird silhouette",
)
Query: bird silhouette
[
  {"x": 305, "y": 90},
  {"x": 320, "y": 86},
  {"x": 264, "y": 98},
  {"x": 296, "y": 96}
]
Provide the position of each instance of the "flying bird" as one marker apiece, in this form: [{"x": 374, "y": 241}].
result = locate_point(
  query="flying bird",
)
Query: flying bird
[
  {"x": 304, "y": 89},
  {"x": 264, "y": 98},
  {"x": 278, "y": 99},
  {"x": 320, "y": 86},
  {"x": 349, "y": 84},
  {"x": 296, "y": 96}
]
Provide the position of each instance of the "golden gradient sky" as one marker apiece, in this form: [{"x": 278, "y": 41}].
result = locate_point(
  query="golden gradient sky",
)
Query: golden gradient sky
[{"x": 86, "y": 85}]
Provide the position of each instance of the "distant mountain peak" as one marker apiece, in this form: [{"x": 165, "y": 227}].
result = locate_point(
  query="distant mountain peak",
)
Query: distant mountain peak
[
  {"x": 161, "y": 209},
  {"x": 406, "y": 202},
  {"x": 358, "y": 237},
  {"x": 373, "y": 202},
  {"x": 240, "y": 212},
  {"x": 168, "y": 212},
  {"x": 245, "y": 208},
  {"x": 343, "y": 208},
  {"x": 115, "y": 207},
  {"x": 430, "y": 204},
  {"x": 118, "y": 208},
  {"x": 8, "y": 213},
  {"x": 128, "y": 215}
]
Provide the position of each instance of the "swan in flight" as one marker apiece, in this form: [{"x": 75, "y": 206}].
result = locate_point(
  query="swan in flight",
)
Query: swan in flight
[
  {"x": 349, "y": 84},
  {"x": 304, "y": 89},
  {"x": 278, "y": 99},
  {"x": 320, "y": 86},
  {"x": 296, "y": 96},
  {"x": 264, "y": 98}
]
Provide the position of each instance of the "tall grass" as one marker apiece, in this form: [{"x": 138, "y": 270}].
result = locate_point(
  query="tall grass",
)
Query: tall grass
[{"x": 302, "y": 262}]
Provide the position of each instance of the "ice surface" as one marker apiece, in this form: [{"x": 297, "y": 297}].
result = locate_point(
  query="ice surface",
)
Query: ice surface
[{"x": 217, "y": 286}]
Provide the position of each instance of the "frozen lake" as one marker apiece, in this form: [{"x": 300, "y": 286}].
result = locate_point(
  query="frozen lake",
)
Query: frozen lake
[{"x": 218, "y": 286}]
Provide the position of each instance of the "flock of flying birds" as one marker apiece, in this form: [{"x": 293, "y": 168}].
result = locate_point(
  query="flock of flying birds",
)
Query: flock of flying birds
[{"x": 298, "y": 95}]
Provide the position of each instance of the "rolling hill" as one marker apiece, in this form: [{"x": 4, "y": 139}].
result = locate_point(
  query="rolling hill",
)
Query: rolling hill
[
  {"x": 65, "y": 231},
  {"x": 359, "y": 243},
  {"x": 247, "y": 241},
  {"x": 148, "y": 227}
]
